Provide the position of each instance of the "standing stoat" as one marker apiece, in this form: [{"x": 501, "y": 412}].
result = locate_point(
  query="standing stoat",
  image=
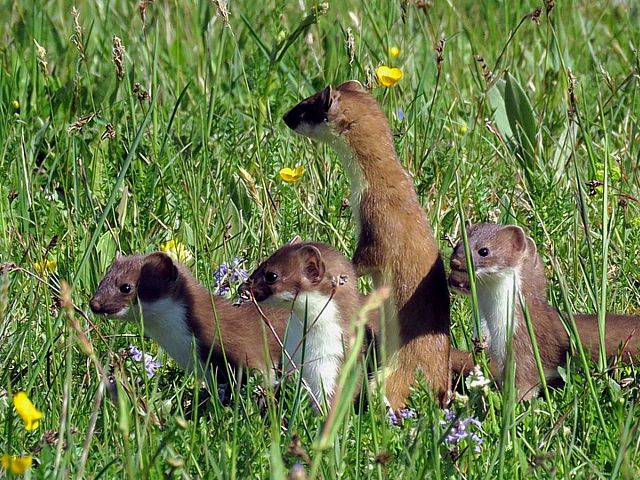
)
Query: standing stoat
[
  {"x": 318, "y": 285},
  {"x": 177, "y": 312},
  {"x": 395, "y": 242},
  {"x": 509, "y": 271}
]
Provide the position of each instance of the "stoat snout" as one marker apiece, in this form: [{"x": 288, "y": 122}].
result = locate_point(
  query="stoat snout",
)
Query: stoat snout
[
  {"x": 107, "y": 309},
  {"x": 459, "y": 281}
]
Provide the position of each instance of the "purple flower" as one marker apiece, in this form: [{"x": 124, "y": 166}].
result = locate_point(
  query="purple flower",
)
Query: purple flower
[
  {"x": 228, "y": 275},
  {"x": 134, "y": 353},
  {"x": 150, "y": 365},
  {"x": 403, "y": 414},
  {"x": 400, "y": 114},
  {"x": 459, "y": 429}
]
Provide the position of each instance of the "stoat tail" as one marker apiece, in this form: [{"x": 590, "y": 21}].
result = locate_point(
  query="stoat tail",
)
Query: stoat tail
[{"x": 622, "y": 334}]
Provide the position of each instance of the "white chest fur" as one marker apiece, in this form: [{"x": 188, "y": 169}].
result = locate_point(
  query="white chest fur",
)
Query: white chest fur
[
  {"x": 356, "y": 176},
  {"x": 165, "y": 322},
  {"x": 315, "y": 327},
  {"x": 497, "y": 299}
]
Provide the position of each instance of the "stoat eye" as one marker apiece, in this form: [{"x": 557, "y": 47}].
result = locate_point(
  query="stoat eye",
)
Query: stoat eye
[
  {"x": 271, "y": 277},
  {"x": 483, "y": 252},
  {"x": 126, "y": 288}
]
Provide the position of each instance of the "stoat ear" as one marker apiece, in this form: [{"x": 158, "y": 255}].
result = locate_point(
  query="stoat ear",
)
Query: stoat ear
[
  {"x": 352, "y": 86},
  {"x": 295, "y": 240},
  {"x": 313, "y": 265},
  {"x": 532, "y": 252},
  {"x": 161, "y": 266},
  {"x": 516, "y": 237},
  {"x": 326, "y": 98},
  {"x": 531, "y": 247}
]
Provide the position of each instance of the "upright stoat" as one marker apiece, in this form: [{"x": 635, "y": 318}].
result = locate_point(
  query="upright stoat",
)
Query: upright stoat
[
  {"x": 318, "y": 285},
  {"x": 177, "y": 312},
  {"x": 395, "y": 242},
  {"x": 508, "y": 268}
]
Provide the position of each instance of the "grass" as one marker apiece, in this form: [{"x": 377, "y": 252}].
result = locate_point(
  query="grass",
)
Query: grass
[{"x": 217, "y": 90}]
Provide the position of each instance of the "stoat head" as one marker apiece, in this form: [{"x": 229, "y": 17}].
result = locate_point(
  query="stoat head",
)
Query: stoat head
[
  {"x": 131, "y": 279},
  {"x": 496, "y": 250},
  {"x": 292, "y": 270},
  {"x": 332, "y": 112}
]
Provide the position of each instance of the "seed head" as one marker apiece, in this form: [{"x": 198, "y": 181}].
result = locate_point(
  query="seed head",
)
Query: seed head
[{"x": 117, "y": 55}]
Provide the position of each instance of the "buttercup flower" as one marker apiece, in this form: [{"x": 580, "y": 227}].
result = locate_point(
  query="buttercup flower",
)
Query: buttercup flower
[
  {"x": 28, "y": 412},
  {"x": 227, "y": 275},
  {"x": 45, "y": 266},
  {"x": 290, "y": 175},
  {"x": 388, "y": 76},
  {"x": 394, "y": 52},
  {"x": 178, "y": 251},
  {"x": 16, "y": 465}
]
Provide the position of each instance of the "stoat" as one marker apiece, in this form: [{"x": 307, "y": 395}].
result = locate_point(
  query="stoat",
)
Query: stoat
[
  {"x": 177, "y": 312},
  {"x": 510, "y": 272},
  {"x": 395, "y": 242},
  {"x": 318, "y": 285}
]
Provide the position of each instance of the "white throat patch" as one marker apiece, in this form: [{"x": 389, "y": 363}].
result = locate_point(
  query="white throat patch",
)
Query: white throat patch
[
  {"x": 323, "y": 133},
  {"x": 498, "y": 296},
  {"x": 165, "y": 322},
  {"x": 322, "y": 342},
  {"x": 354, "y": 171}
]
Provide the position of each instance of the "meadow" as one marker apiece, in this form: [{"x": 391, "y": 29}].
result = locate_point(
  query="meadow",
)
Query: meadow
[{"x": 124, "y": 125}]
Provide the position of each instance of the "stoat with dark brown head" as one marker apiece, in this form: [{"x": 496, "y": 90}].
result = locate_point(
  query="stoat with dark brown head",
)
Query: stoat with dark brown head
[
  {"x": 395, "y": 242},
  {"x": 509, "y": 274},
  {"x": 177, "y": 312},
  {"x": 318, "y": 285}
]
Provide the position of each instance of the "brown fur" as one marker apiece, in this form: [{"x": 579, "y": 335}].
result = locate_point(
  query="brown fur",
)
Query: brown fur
[
  {"x": 509, "y": 248},
  {"x": 309, "y": 267},
  {"x": 395, "y": 242},
  {"x": 225, "y": 334}
]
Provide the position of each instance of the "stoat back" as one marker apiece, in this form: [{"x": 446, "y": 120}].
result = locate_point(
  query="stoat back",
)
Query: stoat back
[
  {"x": 395, "y": 242},
  {"x": 178, "y": 312}
]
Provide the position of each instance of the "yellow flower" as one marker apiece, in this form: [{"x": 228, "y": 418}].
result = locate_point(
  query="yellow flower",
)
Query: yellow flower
[
  {"x": 45, "y": 266},
  {"x": 388, "y": 76},
  {"x": 394, "y": 52},
  {"x": 289, "y": 175},
  {"x": 16, "y": 465},
  {"x": 28, "y": 412},
  {"x": 614, "y": 172},
  {"x": 178, "y": 251},
  {"x": 15, "y": 105}
]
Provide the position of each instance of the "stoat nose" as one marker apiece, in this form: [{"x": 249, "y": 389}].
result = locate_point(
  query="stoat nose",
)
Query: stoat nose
[
  {"x": 456, "y": 263},
  {"x": 95, "y": 305},
  {"x": 244, "y": 290}
]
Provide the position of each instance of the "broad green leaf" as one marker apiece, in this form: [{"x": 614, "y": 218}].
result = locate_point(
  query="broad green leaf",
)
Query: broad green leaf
[
  {"x": 521, "y": 120},
  {"x": 500, "y": 119}
]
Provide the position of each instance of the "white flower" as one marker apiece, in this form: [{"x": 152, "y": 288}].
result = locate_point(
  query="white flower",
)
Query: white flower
[{"x": 476, "y": 381}]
